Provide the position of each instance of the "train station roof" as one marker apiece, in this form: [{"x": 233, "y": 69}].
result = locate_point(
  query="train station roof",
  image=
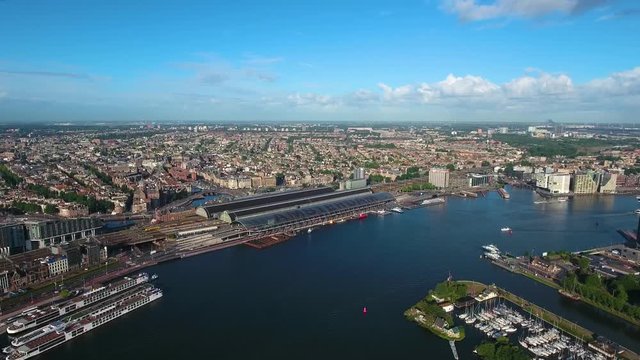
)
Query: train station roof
[
  {"x": 293, "y": 203},
  {"x": 211, "y": 211},
  {"x": 277, "y": 218}
]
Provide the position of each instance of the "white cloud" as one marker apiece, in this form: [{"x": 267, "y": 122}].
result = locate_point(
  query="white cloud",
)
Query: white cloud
[
  {"x": 427, "y": 92},
  {"x": 465, "y": 86},
  {"x": 474, "y": 10},
  {"x": 531, "y": 92},
  {"x": 620, "y": 83},
  {"x": 544, "y": 84},
  {"x": 311, "y": 99},
  {"x": 401, "y": 93}
]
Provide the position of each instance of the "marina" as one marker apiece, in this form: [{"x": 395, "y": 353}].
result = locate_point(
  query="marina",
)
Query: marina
[
  {"x": 496, "y": 319},
  {"x": 498, "y": 314}
]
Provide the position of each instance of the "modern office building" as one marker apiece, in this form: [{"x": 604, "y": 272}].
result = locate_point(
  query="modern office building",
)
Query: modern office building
[
  {"x": 558, "y": 183},
  {"x": 358, "y": 173},
  {"x": 439, "y": 177},
  {"x": 13, "y": 238},
  {"x": 353, "y": 184},
  {"x": 608, "y": 183},
  {"x": 4, "y": 281},
  {"x": 46, "y": 232},
  {"x": 476, "y": 180},
  {"x": 586, "y": 183}
]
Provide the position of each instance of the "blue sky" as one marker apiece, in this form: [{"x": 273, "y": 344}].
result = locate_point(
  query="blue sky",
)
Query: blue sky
[{"x": 431, "y": 60}]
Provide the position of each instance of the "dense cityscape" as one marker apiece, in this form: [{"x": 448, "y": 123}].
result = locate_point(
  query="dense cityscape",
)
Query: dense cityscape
[
  {"x": 90, "y": 204},
  {"x": 439, "y": 179}
]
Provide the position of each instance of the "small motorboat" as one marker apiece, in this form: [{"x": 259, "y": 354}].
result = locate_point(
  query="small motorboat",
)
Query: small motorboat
[{"x": 506, "y": 229}]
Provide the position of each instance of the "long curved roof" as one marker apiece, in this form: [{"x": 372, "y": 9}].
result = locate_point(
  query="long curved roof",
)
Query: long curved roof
[
  {"x": 296, "y": 203},
  {"x": 261, "y": 200},
  {"x": 277, "y": 218}
]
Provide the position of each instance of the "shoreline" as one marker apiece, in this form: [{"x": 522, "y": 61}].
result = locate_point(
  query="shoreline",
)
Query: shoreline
[
  {"x": 550, "y": 283},
  {"x": 474, "y": 289}
]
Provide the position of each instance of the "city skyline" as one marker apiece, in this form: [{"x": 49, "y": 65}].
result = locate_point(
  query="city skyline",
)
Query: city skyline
[{"x": 452, "y": 60}]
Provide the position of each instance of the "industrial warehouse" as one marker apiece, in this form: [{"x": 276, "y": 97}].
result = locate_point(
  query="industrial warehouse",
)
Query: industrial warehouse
[{"x": 251, "y": 218}]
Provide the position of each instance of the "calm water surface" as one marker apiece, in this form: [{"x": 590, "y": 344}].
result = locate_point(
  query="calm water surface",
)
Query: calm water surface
[{"x": 303, "y": 299}]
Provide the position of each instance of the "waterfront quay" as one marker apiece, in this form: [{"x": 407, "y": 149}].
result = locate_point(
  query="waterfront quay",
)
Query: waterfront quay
[
  {"x": 253, "y": 219},
  {"x": 258, "y": 221}
]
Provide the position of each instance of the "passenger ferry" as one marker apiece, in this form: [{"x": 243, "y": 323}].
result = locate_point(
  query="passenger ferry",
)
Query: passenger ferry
[
  {"x": 40, "y": 316},
  {"x": 101, "y": 315}
]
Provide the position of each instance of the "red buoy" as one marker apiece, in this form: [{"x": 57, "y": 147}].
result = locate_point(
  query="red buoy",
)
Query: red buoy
[{"x": 364, "y": 310}]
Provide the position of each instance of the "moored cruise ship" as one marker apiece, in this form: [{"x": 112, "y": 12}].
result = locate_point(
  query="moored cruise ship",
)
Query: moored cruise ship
[
  {"x": 40, "y": 316},
  {"x": 75, "y": 327},
  {"x": 56, "y": 326}
]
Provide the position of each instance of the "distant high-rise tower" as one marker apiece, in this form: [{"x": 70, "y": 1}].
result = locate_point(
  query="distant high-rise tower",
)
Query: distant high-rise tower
[
  {"x": 358, "y": 173},
  {"x": 439, "y": 177}
]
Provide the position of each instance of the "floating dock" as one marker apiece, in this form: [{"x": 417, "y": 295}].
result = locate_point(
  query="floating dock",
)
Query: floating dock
[
  {"x": 468, "y": 194},
  {"x": 267, "y": 241},
  {"x": 504, "y": 194}
]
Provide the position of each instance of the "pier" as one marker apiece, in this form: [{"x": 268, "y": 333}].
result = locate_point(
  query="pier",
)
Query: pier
[
  {"x": 504, "y": 194},
  {"x": 267, "y": 241},
  {"x": 454, "y": 351},
  {"x": 468, "y": 194}
]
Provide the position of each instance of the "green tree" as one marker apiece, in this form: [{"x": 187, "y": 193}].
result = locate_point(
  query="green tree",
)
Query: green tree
[
  {"x": 51, "y": 209},
  {"x": 9, "y": 177}
]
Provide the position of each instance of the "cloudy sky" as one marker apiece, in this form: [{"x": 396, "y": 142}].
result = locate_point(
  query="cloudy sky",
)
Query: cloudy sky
[{"x": 352, "y": 60}]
